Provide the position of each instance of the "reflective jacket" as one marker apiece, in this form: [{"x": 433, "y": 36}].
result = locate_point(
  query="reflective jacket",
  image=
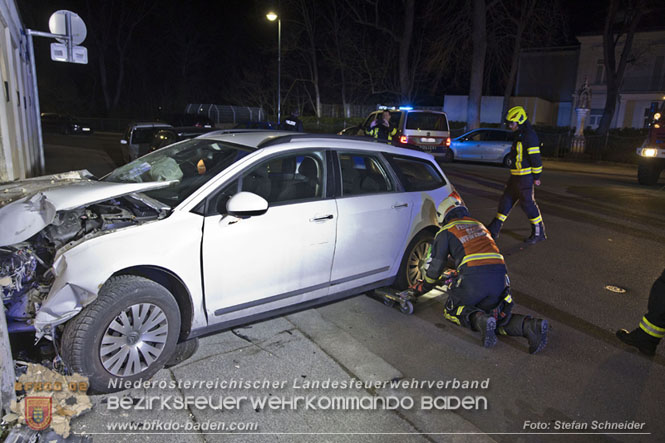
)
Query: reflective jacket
[
  {"x": 382, "y": 132},
  {"x": 525, "y": 153},
  {"x": 470, "y": 245}
]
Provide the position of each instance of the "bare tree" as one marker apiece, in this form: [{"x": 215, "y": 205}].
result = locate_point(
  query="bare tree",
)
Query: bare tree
[
  {"x": 479, "y": 37},
  {"x": 371, "y": 13},
  {"x": 114, "y": 23},
  {"x": 613, "y": 34}
]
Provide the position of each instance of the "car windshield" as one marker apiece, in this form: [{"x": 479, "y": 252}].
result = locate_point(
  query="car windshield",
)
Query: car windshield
[
  {"x": 190, "y": 164},
  {"x": 428, "y": 121}
]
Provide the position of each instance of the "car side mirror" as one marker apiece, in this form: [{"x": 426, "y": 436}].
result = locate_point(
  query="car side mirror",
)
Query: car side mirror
[
  {"x": 123, "y": 142},
  {"x": 246, "y": 204}
]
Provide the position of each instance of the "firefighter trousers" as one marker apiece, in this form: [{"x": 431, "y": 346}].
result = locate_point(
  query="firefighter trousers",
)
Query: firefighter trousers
[
  {"x": 653, "y": 322},
  {"x": 478, "y": 292},
  {"x": 519, "y": 188}
]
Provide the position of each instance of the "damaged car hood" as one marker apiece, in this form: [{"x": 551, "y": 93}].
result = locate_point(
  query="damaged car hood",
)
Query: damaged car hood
[{"x": 40, "y": 199}]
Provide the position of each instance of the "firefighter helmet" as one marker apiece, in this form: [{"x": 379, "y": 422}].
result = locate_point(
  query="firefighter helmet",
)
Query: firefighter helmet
[
  {"x": 453, "y": 201},
  {"x": 516, "y": 114}
]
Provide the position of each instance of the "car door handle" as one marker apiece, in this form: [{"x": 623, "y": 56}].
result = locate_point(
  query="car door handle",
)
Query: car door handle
[
  {"x": 400, "y": 205},
  {"x": 322, "y": 218}
]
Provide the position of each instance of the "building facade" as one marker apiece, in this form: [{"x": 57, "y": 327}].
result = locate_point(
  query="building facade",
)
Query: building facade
[{"x": 20, "y": 151}]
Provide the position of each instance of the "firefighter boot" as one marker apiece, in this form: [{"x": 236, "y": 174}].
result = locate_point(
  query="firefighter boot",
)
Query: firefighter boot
[
  {"x": 533, "y": 329},
  {"x": 486, "y": 325},
  {"x": 640, "y": 339},
  {"x": 537, "y": 234},
  {"x": 494, "y": 227}
]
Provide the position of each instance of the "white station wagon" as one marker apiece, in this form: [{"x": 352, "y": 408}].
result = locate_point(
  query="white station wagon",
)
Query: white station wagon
[{"x": 124, "y": 273}]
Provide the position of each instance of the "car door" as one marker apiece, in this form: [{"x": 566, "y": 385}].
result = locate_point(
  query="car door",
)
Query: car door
[
  {"x": 279, "y": 258},
  {"x": 469, "y": 148},
  {"x": 495, "y": 146},
  {"x": 374, "y": 218}
]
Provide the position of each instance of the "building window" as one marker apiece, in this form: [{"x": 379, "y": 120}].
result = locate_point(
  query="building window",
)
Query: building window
[{"x": 600, "y": 72}]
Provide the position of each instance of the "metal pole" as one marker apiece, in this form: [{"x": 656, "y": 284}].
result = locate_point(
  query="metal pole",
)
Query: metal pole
[
  {"x": 35, "y": 95},
  {"x": 70, "y": 42},
  {"x": 279, "y": 70}
]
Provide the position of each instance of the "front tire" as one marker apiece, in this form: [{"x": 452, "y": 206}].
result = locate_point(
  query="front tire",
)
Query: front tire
[
  {"x": 507, "y": 161},
  {"x": 128, "y": 333},
  {"x": 647, "y": 174},
  {"x": 413, "y": 263}
]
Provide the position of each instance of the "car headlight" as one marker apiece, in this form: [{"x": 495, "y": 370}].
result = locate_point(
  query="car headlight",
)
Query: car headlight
[{"x": 649, "y": 152}]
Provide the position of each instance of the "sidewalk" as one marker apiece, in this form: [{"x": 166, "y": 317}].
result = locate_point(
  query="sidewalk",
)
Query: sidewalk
[
  {"x": 294, "y": 350},
  {"x": 585, "y": 167}
]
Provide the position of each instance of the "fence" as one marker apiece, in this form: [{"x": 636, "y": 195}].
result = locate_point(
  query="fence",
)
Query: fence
[
  {"x": 227, "y": 113},
  {"x": 609, "y": 147}
]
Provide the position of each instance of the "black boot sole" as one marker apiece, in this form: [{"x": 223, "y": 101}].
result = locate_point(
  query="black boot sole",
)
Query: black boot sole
[
  {"x": 624, "y": 336},
  {"x": 489, "y": 334},
  {"x": 544, "y": 328}
]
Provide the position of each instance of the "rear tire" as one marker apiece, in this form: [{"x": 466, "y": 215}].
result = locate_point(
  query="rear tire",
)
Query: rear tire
[
  {"x": 126, "y": 334},
  {"x": 448, "y": 155},
  {"x": 507, "y": 161},
  {"x": 412, "y": 267},
  {"x": 648, "y": 174}
]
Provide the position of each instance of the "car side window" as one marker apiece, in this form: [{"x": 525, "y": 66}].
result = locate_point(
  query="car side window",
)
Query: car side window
[
  {"x": 497, "y": 136},
  {"x": 280, "y": 180},
  {"x": 363, "y": 174},
  {"x": 416, "y": 174},
  {"x": 476, "y": 136}
]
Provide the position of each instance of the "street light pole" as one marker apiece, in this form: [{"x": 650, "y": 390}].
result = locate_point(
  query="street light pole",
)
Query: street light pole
[{"x": 272, "y": 17}]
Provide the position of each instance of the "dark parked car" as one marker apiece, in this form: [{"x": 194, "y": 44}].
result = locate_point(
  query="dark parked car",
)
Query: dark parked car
[
  {"x": 190, "y": 120},
  {"x": 63, "y": 124},
  {"x": 168, "y": 136},
  {"x": 256, "y": 125}
]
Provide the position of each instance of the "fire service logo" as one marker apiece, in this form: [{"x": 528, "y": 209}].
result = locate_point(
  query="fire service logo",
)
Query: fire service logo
[{"x": 38, "y": 412}]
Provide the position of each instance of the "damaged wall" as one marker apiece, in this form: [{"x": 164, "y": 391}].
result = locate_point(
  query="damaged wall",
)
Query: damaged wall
[{"x": 20, "y": 153}]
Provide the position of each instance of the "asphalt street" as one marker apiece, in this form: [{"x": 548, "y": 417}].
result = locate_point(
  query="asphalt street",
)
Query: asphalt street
[{"x": 603, "y": 230}]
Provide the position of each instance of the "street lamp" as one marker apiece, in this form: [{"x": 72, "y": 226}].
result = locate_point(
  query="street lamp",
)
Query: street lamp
[{"x": 272, "y": 17}]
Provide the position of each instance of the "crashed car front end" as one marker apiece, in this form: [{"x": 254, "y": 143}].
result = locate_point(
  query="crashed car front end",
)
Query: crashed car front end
[{"x": 38, "y": 240}]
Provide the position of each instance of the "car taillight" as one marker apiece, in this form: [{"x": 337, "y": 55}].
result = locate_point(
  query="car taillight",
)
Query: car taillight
[
  {"x": 403, "y": 139},
  {"x": 448, "y": 142}
]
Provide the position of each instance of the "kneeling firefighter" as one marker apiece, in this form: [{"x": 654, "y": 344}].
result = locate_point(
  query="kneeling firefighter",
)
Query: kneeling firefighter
[{"x": 480, "y": 297}]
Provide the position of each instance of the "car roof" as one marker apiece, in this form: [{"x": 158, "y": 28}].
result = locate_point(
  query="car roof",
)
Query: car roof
[
  {"x": 150, "y": 125},
  {"x": 265, "y": 139}
]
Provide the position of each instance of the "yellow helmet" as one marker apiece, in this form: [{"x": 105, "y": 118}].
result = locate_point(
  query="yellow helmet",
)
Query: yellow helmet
[
  {"x": 516, "y": 114},
  {"x": 451, "y": 202}
]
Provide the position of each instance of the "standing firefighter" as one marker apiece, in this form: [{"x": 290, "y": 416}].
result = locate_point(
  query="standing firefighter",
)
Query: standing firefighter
[
  {"x": 480, "y": 297},
  {"x": 525, "y": 171},
  {"x": 651, "y": 330},
  {"x": 381, "y": 128}
]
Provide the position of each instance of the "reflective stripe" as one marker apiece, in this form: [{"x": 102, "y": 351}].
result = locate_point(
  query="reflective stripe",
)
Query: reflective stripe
[
  {"x": 502, "y": 331},
  {"x": 459, "y": 222},
  {"x": 451, "y": 318},
  {"x": 501, "y": 217},
  {"x": 430, "y": 280},
  {"x": 473, "y": 257},
  {"x": 535, "y": 221},
  {"x": 459, "y": 310},
  {"x": 534, "y": 150},
  {"x": 508, "y": 299},
  {"x": 651, "y": 332},
  {"x": 652, "y": 329},
  {"x": 523, "y": 171},
  {"x": 518, "y": 160},
  {"x": 537, "y": 170}
]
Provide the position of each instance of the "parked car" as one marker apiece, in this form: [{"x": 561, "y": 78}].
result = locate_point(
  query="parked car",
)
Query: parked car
[
  {"x": 138, "y": 137},
  {"x": 483, "y": 145},
  {"x": 63, "y": 124},
  {"x": 206, "y": 234},
  {"x": 424, "y": 130},
  {"x": 256, "y": 125},
  {"x": 167, "y": 136},
  {"x": 191, "y": 120}
]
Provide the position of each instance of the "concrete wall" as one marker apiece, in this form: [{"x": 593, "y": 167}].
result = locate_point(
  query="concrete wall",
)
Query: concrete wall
[
  {"x": 20, "y": 153},
  {"x": 540, "y": 111}
]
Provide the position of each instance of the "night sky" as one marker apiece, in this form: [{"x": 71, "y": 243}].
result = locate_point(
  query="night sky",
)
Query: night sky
[{"x": 224, "y": 52}]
